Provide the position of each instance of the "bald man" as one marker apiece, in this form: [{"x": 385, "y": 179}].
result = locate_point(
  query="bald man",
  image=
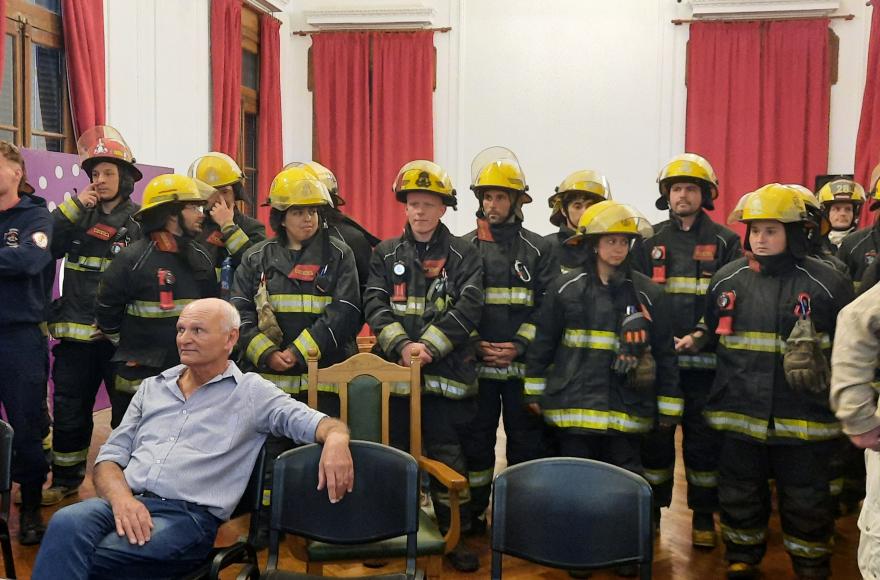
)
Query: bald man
[{"x": 179, "y": 462}]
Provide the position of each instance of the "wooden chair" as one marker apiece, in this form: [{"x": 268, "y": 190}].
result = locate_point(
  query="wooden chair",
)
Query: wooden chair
[{"x": 365, "y": 387}]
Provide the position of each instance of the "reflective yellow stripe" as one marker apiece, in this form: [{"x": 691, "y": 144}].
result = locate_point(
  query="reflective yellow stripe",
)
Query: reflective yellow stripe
[
  {"x": 526, "y": 331},
  {"x": 70, "y": 210},
  {"x": 876, "y": 385},
  {"x": 236, "y": 240},
  {"x": 763, "y": 341},
  {"x": 805, "y": 549},
  {"x": 72, "y": 330},
  {"x": 835, "y": 486},
  {"x": 294, "y": 384},
  {"x": 514, "y": 371},
  {"x": 701, "y": 478},
  {"x": 509, "y": 296},
  {"x": 304, "y": 342},
  {"x": 87, "y": 264},
  {"x": 258, "y": 345},
  {"x": 534, "y": 386},
  {"x": 696, "y": 361},
  {"x": 744, "y": 537},
  {"x": 413, "y": 305},
  {"x": 600, "y": 420},
  {"x": 127, "y": 386},
  {"x": 389, "y": 334},
  {"x": 595, "y": 339},
  {"x": 856, "y": 285},
  {"x": 148, "y": 309},
  {"x": 480, "y": 478},
  {"x": 686, "y": 285},
  {"x": 659, "y": 476},
  {"x": 726, "y": 421},
  {"x": 71, "y": 458},
  {"x": 436, "y": 338},
  {"x": 299, "y": 303},
  {"x": 448, "y": 387},
  {"x": 670, "y": 406},
  {"x": 806, "y": 430}
]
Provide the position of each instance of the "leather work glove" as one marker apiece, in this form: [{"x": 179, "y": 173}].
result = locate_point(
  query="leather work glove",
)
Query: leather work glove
[
  {"x": 642, "y": 377},
  {"x": 266, "y": 321},
  {"x": 806, "y": 368}
]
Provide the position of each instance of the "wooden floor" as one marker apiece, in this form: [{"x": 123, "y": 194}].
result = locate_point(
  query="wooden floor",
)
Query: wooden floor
[{"x": 674, "y": 558}]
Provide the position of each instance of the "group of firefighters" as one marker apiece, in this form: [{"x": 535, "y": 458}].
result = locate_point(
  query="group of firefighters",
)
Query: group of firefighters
[{"x": 595, "y": 341}]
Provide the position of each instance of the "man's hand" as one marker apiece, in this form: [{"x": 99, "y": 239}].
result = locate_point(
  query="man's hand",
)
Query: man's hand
[
  {"x": 504, "y": 353},
  {"x": 684, "y": 344},
  {"x": 88, "y": 197},
  {"x": 132, "y": 519},
  {"x": 336, "y": 469},
  {"x": 869, "y": 440},
  {"x": 534, "y": 409},
  {"x": 222, "y": 213},
  {"x": 281, "y": 360},
  {"x": 418, "y": 349}
]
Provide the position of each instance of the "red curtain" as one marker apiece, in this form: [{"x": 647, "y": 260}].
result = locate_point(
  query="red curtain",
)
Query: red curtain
[
  {"x": 225, "y": 75},
  {"x": 341, "y": 77},
  {"x": 269, "y": 147},
  {"x": 759, "y": 103},
  {"x": 2, "y": 44},
  {"x": 868, "y": 140},
  {"x": 401, "y": 120},
  {"x": 83, "y": 24}
]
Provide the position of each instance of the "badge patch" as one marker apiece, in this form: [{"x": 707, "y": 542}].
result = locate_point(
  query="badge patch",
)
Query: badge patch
[
  {"x": 216, "y": 239},
  {"x": 658, "y": 252},
  {"x": 41, "y": 240},
  {"x": 101, "y": 231},
  {"x": 11, "y": 237},
  {"x": 704, "y": 252},
  {"x": 432, "y": 268},
  {"x": 870, "y": 257},
  {"x": 306, "y": 273}
]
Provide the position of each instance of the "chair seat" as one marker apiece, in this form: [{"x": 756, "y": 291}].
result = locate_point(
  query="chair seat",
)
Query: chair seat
[
  {"x": 283, "y": 575},
  {"x": 430, "y": 543}
]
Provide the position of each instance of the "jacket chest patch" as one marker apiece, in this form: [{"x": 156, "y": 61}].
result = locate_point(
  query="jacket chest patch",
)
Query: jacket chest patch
[
  {"x": 432, "y": 268},
  {"x": 216, "y": 239},
  {"x": 704, "y": 252},
  {"x": 11, "y": 237},
  {"x": 102, "y": 232},
  {"x": 304, "y": 272}
]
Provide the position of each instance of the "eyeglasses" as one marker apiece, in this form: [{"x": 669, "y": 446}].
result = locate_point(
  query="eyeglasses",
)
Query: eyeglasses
[{"x": 198, "y": 207}]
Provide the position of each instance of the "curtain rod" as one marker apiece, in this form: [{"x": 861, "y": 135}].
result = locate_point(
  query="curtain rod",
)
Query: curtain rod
[
  {"x": 678, "y": 21},
  {"x": 311, "y": 32}
]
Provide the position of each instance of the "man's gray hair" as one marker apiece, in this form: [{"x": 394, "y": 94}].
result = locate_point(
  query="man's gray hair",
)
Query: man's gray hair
[{"x": 231, "y": 318}]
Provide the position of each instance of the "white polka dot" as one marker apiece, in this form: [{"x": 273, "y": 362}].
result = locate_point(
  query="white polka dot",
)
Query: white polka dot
[
  {"x": 59, "y": 172},
  {"x": 51, "y": 205},
  {"x": 43, "y": 182},
  {"x": 66, "y": 195},
  {"x": 74, "y": 169}
]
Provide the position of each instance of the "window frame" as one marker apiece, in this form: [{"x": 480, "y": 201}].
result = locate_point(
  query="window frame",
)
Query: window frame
[{"x": 250, "y": 100}]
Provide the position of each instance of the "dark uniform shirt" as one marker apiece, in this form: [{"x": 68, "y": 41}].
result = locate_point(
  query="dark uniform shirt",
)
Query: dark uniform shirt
[{"x": 25, "y": 262}]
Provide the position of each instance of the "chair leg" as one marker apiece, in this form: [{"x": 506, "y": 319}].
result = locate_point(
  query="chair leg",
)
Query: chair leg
[
  {"x": 6, "y": 546},
  {"x": 315, "y": 568}
]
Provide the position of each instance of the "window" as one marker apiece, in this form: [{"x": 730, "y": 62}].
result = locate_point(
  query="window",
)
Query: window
[
  {"x": 250, "y": 93},
  {"x": 34, "y": 102}
]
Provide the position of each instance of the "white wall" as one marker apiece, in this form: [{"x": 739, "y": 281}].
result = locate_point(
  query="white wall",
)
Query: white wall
[{"x": 566, "y": 84}]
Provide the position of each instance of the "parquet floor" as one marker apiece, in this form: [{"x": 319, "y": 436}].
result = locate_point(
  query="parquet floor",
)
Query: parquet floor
[{"x": 674, "y": 557}]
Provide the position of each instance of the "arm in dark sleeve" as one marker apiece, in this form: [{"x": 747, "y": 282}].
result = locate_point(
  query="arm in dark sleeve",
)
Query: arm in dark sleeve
[
  {"x": 255, "y": 345},
  {"x": 670, "y": 399},
  {"x": 32, "y": 253},
  {"x": 734, "y": 249},
  {"x": 113, "y": 294},
  {"x": 390, "y": 334},
  {"x": 63, "y": 228},
  {"x": 340, "y": 320},
  {"x": 641, "y": 257},
  {"x": 548, "y": 271},
  {"x": 455, "y": 325},
  {"x": 549, "y": 324},
  {"x": 239, "y": 238}
]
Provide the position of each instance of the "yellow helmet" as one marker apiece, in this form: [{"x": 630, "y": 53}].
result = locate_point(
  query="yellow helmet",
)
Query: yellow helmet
[
  {"x": 782, "y": 203},
  {"x": 216, "y": 169},
  {"x": 611, "y": 217},
  {"x": 687, "y": 167},
  {"x": 498, "y": 168},
  {"x": 171, "y": 187},
  {"x": 323, "y": 175},
  {"x": 297, "y": 187},
  {"x": 424, "y": 176},
  {"x": 842, "y": 190},
  {"x": 105, "y": 143}
]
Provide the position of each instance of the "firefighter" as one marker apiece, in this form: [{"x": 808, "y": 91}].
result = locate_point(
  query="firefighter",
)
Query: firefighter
[
  {"x": 817, "y": 227},
  {"x": 682, "y": 255},
  {"x": 297, "y": 291},
  {"x": 228, "y": 233},
  {"x": 147, "y": 285},
  {"x": 424, "y": 297},
  {"x": 341, "y": 226},
  {"x": 518, "y": 266},
  {"x": 773, "y": 315},
  {"x": 25, "y": 272},
  {"x": 90, "y": 229},
  {"x": 842, "y": 201},
  {"x": 858, "y": 250},
  {"x": 573, "y": 196},
  {"x": 602, "y": 367}
]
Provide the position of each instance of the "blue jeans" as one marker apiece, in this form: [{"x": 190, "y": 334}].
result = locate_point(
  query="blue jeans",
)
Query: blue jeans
[{"x": 81, "y": 542}]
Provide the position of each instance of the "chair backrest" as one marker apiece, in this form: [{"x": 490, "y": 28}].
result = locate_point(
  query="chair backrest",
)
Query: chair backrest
[
  {"x": 6, "y": 435},
  {"x": 252, "y": 498},
  {"x": 355, "y": 393},
  {"x": 383, "y": 504},
  {"x": 572, "y": 513}
]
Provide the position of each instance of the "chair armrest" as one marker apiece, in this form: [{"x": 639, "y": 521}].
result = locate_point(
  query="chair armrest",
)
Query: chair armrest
[
  {"x": 249, "y": 572},
  {"x": 238, "y": 553},
  {"x": 444, "y": 474}
]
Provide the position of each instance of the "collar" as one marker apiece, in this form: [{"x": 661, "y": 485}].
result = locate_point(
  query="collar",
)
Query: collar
[{"x": 171, "y": 376}]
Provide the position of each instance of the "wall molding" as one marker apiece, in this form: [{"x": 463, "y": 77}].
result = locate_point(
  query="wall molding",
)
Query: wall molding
[
  {"x": 415, "y": 16},
  {"x": 762, "y": 9}
]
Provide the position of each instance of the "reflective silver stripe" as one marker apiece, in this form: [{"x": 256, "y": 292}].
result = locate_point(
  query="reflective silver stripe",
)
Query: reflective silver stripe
[
  {"x": 534, "y": 386},
  {"x": 805, "y": 549},
  {"x": 501, "y": 296},
  {"x": 514, "y": 371},
  {"x": 127, "y": 386},
  {"x": 480, "y": 478},
  {"x": 659, "y": 476},
  {"x": 447, "y": 387},
  {"x": 696, "y": 361},
  {"x": 807, "y": 430},
  {"x": 87, "y": 264},
  {"x": 293, "y": 384},
  {"x": 390, "y": 333},
  {"x": 71, "y": 458},
  {"x": 756, "y": 341},
  {"x": 147, "y": 309},
  {"x": 526, "y": 331},
  {"x": 599, "y": 420},
  {"x": 701, "y": 478},
  {"x": 595, "y": 339},
  {"x": 671, "y": 406},
  {"x": 411, "y": 306},
  {"x": 744, "y": 537},
  {"x": 72, "y": 330},
  {"x": 744, "y": 424},
  {"x": 686, "y": 285},
  {"x": 296, "y": 303},
  {"x": 236, "y": 240},
  {"x": 438, "y": 339}
]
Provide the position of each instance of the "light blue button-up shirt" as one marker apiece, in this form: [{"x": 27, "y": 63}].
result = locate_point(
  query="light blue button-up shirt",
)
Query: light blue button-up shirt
[{"x": 203, "y": 449}]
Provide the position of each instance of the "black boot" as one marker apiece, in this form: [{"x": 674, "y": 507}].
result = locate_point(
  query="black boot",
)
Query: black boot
[
  {"x": 30, "y": 526},
  {"x": 463, "y": 558}
]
